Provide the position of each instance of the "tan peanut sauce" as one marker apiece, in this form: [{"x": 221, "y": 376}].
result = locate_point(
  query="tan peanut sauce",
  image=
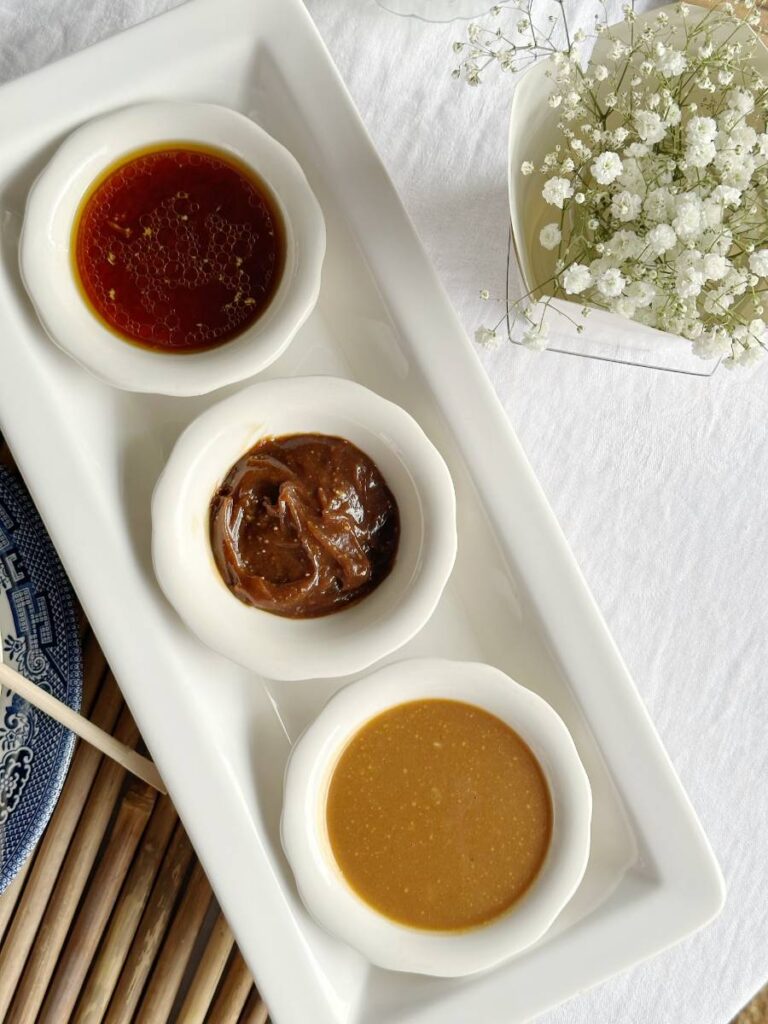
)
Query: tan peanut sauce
[
  {"x": 304, "y": 525},
  {"x": 439, "y": 815}
]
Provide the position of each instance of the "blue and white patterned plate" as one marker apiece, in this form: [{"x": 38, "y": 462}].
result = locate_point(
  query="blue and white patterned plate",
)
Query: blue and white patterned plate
[{"x": 39, "y": 639}]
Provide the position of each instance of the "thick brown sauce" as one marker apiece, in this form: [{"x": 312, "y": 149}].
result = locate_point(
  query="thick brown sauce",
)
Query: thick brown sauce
[
  {"x": 178, "y": 248},
  {"x": 438, "y": 815},
  {"x": 304, "y": 525}
]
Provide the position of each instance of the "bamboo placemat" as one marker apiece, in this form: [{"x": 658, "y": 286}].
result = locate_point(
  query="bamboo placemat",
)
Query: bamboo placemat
[
  {"x": 112, "y": 919},
  {"x": 756, "y": 1011}
]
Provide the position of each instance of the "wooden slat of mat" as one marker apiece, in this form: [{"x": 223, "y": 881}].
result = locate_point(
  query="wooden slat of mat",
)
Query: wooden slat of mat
[
  {"x": 70, "y": 884},
  {"x": 10, "y": 898},
  {"x": 152, "y": 929},
  {"x": 53, "y": 850},
  {"x": 125, "y": 919},
  {"x": 169, "y": 969},
  {"x": 132, "y": 817},
  {"x": 94, "y": 927},
  {"x": 197, "y": 1002},
  {"x": 99, "y": 913},
  {"x": 233, "y": 993}
]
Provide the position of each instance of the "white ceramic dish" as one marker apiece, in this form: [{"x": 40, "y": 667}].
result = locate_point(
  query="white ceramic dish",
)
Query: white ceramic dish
[
  {"x": 305, "y": 837},
  {"x": 46, "y": 262},
  {"x": 333, "y": 645},
  {"x": 515, "y": 600}
]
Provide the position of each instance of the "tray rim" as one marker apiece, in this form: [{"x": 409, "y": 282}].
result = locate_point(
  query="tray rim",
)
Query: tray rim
[{"x": 684, "y": 860}]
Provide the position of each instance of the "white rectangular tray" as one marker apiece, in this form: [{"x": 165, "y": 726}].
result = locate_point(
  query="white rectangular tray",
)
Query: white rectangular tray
[{"x": 90, "y": 456}]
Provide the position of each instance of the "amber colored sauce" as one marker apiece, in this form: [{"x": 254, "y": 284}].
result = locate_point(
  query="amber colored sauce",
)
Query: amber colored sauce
[
  {"x": 439, "y": 815},
  {"x": 178, "y": 248}
]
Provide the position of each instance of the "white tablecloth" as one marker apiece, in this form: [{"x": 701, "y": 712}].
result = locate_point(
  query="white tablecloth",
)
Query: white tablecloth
[{"x": 659, "y": 481}]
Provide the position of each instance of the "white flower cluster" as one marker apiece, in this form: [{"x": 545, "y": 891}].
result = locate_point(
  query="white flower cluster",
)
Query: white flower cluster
[{"x": 659, "y": 185}]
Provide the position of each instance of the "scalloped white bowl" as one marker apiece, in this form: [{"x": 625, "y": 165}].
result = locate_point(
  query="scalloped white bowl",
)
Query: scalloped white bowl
[
  {"x": 348, "y": 640},
  {"x": 305, "y": 838},
  {"x": 45, "y": 248}
]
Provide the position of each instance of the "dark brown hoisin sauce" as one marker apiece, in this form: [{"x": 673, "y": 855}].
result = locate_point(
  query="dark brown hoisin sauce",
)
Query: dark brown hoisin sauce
[{"x": 304, "y": 525}]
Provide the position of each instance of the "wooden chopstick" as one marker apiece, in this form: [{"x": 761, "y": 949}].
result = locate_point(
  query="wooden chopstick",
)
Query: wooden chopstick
[
  {"x": 125, "y": 918},
  {"x": 61, "y": 712},
  {"x": 93, "y": 915},
  {"x": 64, "y": 899},
  {"x": 53, "y": 849},
  {"x": 152, "y": 929},
  {"x": 208, "y": 974},
  {"x": 233, "y": 993},
  {"x": 174, "y": 956}
]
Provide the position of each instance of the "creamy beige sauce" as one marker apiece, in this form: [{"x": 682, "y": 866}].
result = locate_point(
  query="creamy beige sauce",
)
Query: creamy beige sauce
[{"x": 439, "y": 815}]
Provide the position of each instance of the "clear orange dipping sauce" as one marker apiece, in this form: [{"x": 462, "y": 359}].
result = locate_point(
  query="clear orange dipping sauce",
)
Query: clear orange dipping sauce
[
  {"x": 178, "y": 248},
  {"x": 439, "y": 815}
]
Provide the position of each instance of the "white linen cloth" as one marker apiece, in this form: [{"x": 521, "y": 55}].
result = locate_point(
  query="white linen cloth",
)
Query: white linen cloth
[{"x": 660, "y": 481}]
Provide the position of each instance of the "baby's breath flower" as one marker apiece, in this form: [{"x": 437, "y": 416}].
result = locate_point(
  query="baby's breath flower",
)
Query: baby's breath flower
[
  {"x": 649, "y": 126},
  {"x": 715, "y": 267},
  {"x": 688, "y": 220},
  {"x": 486, "y": 336},
  {"x": 701, "y": 129},
  {"x": 535, "y": 336},
  {"x": 659, "y": 169},
  {"x": 700, "y": 154},
  {"x": 611, "y": 282},
  {"x": 670, "y": 62},
  {"x": 625, "y": 206},
  {"x": 641, "y": 293},
  {"x": 740, "y": 100},
  {"x": 624, "y": 306},
  {"x": 758, "y": 262},
  {"x": 661, "y": 239},
  {"x": 607, "y": 168},
  {"x": 556, "y": 190},
  {"x": 550, "y": 236},
  {"x": 576, "y": 279}
]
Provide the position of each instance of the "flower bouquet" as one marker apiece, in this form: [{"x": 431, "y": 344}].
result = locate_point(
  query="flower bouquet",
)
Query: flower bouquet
[{"x": 639, "y": 203}]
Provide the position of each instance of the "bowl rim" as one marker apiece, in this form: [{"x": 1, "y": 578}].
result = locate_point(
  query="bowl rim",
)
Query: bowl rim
[
  {"x": 275, "y": 646},
  {"x": 45, "y": 247},
  {"x": 333, "y": 903}
]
